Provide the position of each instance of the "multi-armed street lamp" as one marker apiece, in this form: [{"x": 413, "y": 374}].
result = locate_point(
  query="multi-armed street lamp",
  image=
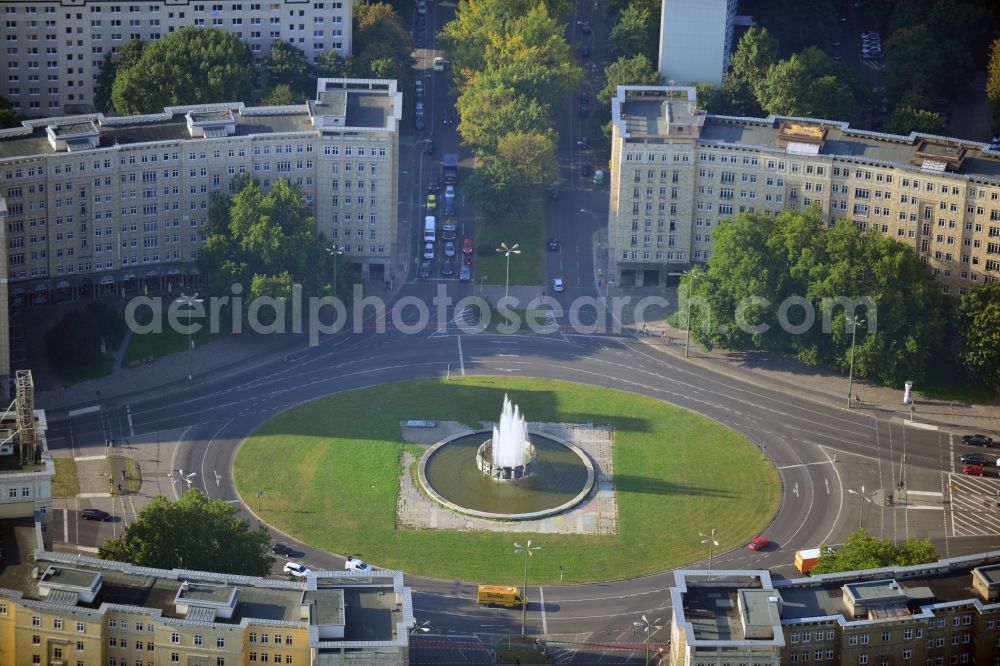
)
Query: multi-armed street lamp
[
  {"x": 527, "y": 550},
  {"x": 335, "y": 252},
  {"x": 854, "y": 322},
  {"x": 709, "y": 540},
  {"x": 507, "y": 251},
  {"x": 650, "y": 627},
  {"x": 190, "y": 302}
]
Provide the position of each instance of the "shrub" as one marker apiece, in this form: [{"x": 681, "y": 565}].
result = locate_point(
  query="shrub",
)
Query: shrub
[
  {"x": 486, "y": 250},
  {"x": 73, "y": 343}
]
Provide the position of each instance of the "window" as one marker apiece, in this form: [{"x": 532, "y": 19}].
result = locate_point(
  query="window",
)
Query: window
[{"x": 863, "y": 659}]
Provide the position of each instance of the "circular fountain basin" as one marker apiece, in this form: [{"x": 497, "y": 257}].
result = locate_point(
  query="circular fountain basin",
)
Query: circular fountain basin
[{"x": 562, "y": 477}]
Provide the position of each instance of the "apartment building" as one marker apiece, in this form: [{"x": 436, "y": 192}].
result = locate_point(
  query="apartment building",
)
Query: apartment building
[
  {"x": 930, "y": 614},
  {"x": 676, "y": 172},
  {"x": 53, "y": 52},
  {"x": 115, "y": 205},
  {"x": 696, "y": 39},
  {"x": 58, "y": 608}
]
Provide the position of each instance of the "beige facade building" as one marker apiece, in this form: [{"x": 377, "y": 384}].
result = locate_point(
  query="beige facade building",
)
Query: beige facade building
[
  {"x": 926, "y": 615},
  {"x": 53, "y": 52},
  {"x": 676, "y": 172}
]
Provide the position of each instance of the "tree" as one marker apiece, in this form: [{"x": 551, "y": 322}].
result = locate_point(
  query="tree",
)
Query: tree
[
  {"x": 382, "y": 44},
  {"x": 906, "y": 119},
  {"x": 73, "y": 343},
  {"x": 635, "y": 71},
  {"x": 754, "y": 55},
  {"x": 864, "y": 551},
  {"x": 522, "y": 164},
  {"x": 126, "y": 56},
  {"x": 979, "y": 317},
  {"x": 630, "y": 34},
  {"x": 794, "y": 23},
  {"x": 7, "y": 116},
  {"x": 475, "y": 27},
  {"x": 332, "y": 65},
  {"x": 287, "y": 66},
  {"x": 993, "y": 82},
  {"x": 281, "y": 95},
  {"x": 489, "y": 110},
  {"x": 190, "y": 66},
  {"x": 808, "y": 84},
  {"x": 192, "y": 533}
]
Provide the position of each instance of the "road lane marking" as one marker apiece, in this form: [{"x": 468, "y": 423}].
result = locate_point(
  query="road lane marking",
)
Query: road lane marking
[
  {"x": 541, "y": 598},
  {"x": 928, "y": 493},
  {"x": 204, "y": 455},
  {"x": 808, "y": 464},
  {"x": 84, "y": 410},
  {"x": 65, "y": 525},
  {"x": 86, "y": 458}
]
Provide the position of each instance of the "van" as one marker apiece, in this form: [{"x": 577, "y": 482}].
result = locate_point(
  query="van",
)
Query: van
[
  {"x": 500, "y": 595},
  {"x": 430, "y": 229},
  {"x": 439, "y": 64}
]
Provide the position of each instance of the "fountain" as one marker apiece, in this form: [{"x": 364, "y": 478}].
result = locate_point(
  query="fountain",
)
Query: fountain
[
  {"x": 515, "y": 474},
  {"x": 509, "y": 455}
]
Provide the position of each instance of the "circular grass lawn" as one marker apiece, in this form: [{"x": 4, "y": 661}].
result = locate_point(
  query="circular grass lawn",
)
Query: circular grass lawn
[{"x": 330, "y": 470}]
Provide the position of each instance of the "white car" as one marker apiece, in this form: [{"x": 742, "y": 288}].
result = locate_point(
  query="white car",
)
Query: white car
[
  {"x": 296, "y": 569},
  {"x": 557, "y": 285},
  {"x": 357, "y": 564},
  {"x": 439, "y": 64},
  {"x": 429, "y": 251}
]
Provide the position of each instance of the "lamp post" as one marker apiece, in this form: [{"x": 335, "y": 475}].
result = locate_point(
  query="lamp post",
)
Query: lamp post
[
  {"x": 650, "y": 628},
  {"x": 260, "y": 493},
  {"x": 854, "y": 322},
  {"x": 527, "y": 550},
  {"x": 864, "y": 498},
  {"x": 514, "y": 249},
  {"x": 709, "y": 540},
  {"x": 190, "y": 302},
  {"x": 687, "y": 338},
  {"x": 178, "y": 476},
  {"x": 335, "y": 252}
]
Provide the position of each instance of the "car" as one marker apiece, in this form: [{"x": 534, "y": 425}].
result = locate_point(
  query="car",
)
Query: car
[
  {"x": 432, "y": 201},
  {"x": 465, "y": 273},
  {"x": 419, "y": 86},
  {"x": 448, "y": 268},
  {"x": 433, "y": 185},
  {"x": 554, "y": 193},
  {"x": 449, "y": 191},
  {"x": 419, "y": 122},
  {"x": 356, "y": 564},
  {"x": 449, "y": 249},
  {"x": 585, "y": 27},
  {"x": 448, "y": 118},
  {"x": 976, "y": 459},
  {"x": 296, "y": 569},
  {"x": 869, "y": 34},
  {"x": 585, "y": 51},
  {"x": 586, "y": 170},
  {"x": 467, "y": 246},
  {"x": 439, "y": 64},
  {"x": 583, "y": 97},
  {"x": 553, "y": 244},
  {"x": 420, "y": 40},
  {"x": 429, "y": 147},
  {"x": 557, "y": 285},
  {"x": 95, "y": 514},
  {"x": 583, "y": 111},
  {"x": 429, "y": 251},
  {"x": 424, "y": 271},
  {"x": 758, "y": 543},
  {"x": 449, "y": 208},
  {"x": 421, "y": 20},
  {"x": 978, "y": 440},
  {"x": 974, "y": 470},
  {"x": 281, "y": 549}
]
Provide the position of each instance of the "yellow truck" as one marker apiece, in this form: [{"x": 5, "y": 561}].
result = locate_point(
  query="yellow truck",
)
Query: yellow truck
[{"x": 500, "y": 595}]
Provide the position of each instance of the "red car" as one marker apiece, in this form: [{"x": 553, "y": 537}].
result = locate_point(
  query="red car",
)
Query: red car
[
  {"x": 758, "y": 543},
  {"x": 467, "y": 246},
  {"x": 973, "y": 470}
]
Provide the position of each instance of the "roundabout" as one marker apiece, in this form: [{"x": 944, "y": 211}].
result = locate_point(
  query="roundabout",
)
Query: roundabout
[{"x": 330, "y": 470}]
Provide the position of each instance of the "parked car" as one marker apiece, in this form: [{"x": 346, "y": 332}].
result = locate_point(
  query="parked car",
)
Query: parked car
[
  {"x": 448, "y": 267},
  {"x": 448, "y": 118},
  {"x": 281, "y": 549},
  {"x": 296, "y": 569},
  {"x": 424, "y": 271},
  {"x": 429, "y": 251},
  {"x": 432, "y": 201},
  {"x": 583, "y": 111},
  {"x": 553, "y": 244},
  {"x": 434, "y": 184},
  {"x": 978, "y": 440},
  {"x": 419, "y": 87},
  {"x": 758, "y": 543},
  {"x": 420, "y": 40},
  {"x": 974, "y": 470},
  {"x": 429, "y": 147},
  {"x": 585, "y": 51},
  {"x": 439, "y": 64},
  {"x": 554, "y": 193},
  {"x": 449, "y": 191},
  {"x": 583, "y": 98},
  {"x": 465, "y": 273},
  {"x": 449, "y": 249},
  {"x": 467, "y": 246},
  {"x": 557, "y": 285},
  {"x": 419, "y": 122},
  {"x": 449, "y": 207},
  {"x": 95, "y": 514},
  {"x": 585, "y": 27},
  {"x": 586, "y": 170},
  {"x": 356, "y": 564},
  {"x": 976, "y": 459}
]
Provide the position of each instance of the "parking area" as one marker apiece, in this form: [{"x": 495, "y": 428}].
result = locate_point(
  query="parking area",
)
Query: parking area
[{"x": 974, "y": 510}]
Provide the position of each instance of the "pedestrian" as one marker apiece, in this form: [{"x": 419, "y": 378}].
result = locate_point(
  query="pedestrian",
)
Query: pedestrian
[
  {"x": 123, "y": 474},
  {"x": 119, "y": 487}
]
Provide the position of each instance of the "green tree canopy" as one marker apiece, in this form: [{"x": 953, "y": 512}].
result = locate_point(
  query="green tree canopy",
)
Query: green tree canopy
[
  {"x": 635, "y": 71},
  {"x": 630, "y": 34},
  {"x": 993, "y": 81},
  {"x": 979, "y": 317},
  {"x": 522, "y": 163},
  {"x": 489, "y": 110},
  {"x": 864, "y": 551},
  {"x": 798, "y": 25},
  {"x": 192, "y": 533},
  {"x": 755, "y": 54},
  {"x": 810, "y": 84},
  {"x": 906, "y": 119},
  {"x": 190, "y": 66},
  {"x": 759, "y": 262},
  {"x": 476, "y": 26},
  {"x": 382, "y": 45},
  {"x": 126, "y": 56},
  {"x": 287, "y": 66}
]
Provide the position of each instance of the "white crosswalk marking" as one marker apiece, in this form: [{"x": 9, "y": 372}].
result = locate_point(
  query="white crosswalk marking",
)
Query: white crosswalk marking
[{"x": 974, "y": 505}]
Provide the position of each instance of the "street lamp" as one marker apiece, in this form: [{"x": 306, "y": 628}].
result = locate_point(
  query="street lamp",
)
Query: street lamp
[
  {"x": 647, "y": 626},
  {"x": 864, "y": 498},
  {"x": 178, "y": 476},
  {"x": 260, "y": 493},
  {"x": 854, "y": 322},
  {"x": 526, "y": 550},
  {"x": 687, "y": 338},
  {"x": 709, "y": 540},
  {"x": 335, "y": 252},
  {"x": 419, "y": 628},
  {"x": 189, "y": 301},
  {"x": 507, "y": 252}
]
